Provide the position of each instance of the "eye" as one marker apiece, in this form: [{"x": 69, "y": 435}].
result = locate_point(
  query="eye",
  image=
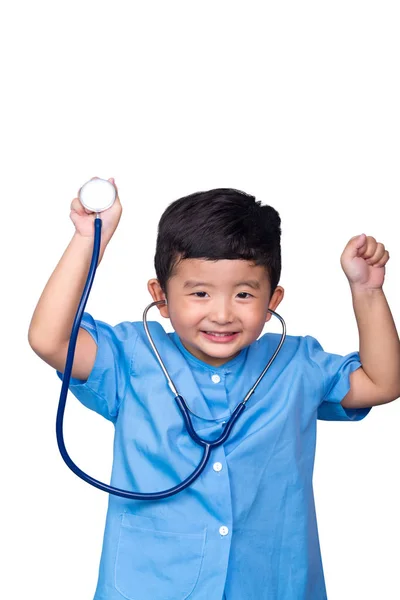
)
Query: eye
[{"x": 195, "y": 293}]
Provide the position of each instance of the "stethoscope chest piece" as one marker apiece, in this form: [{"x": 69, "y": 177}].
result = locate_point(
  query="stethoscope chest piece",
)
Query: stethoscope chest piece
[{"x": 97, "y": 194}]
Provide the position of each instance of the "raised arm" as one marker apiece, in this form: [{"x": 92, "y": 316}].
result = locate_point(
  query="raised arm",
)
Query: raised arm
[
  {"x": 52, "y": 320},
  {"x": 378, "y": 381}
]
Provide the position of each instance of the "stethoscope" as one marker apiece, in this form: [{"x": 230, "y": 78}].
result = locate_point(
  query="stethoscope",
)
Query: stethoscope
[{"x": 98, "y": 195}]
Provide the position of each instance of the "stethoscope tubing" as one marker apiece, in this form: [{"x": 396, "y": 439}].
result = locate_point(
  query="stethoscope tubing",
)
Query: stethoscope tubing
[{"x": 207, "y": 445}]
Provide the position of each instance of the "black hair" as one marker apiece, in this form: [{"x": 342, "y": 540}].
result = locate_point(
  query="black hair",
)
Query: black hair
[{"x": 223, "y": 223}]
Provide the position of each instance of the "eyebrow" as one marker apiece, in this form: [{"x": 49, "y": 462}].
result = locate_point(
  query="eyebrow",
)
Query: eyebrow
[{"x": 253, "y": 283}]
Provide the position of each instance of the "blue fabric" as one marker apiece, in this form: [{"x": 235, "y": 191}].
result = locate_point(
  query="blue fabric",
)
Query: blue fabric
[{"x": 173, "y": 549}]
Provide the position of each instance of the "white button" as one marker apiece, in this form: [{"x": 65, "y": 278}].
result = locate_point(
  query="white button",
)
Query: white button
[
  {"x": 223, "y": 530},
  {"x": 216, "y": 378},
  {"x": 217, "y": 467}
]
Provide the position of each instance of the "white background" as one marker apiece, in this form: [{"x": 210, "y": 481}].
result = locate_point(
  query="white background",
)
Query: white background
[{"x": 294, "y": 102}]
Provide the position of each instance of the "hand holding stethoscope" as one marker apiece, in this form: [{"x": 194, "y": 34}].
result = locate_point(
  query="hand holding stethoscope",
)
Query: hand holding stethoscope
[{"x": 95, "y": 196}]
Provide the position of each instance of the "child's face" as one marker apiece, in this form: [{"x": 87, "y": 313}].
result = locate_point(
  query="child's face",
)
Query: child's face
[{"x": 219, "y": 304}]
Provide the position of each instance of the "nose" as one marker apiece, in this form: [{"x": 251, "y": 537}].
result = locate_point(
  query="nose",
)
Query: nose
[{"x": 221, "y": 312}]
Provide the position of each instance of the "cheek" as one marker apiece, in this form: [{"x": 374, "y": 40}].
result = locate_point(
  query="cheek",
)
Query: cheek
[
  {"x": 256, "y": 322},
  {"x": 185, "y": 315},
  {"x": 189, "y": 311}
]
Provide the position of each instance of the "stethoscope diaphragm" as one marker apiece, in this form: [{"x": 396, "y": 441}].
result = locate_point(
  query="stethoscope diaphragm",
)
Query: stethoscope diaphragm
[{"x": 97, "y": 194}]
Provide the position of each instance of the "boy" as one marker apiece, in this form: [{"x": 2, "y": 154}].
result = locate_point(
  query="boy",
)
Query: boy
[{"x": 246, "y": 529}]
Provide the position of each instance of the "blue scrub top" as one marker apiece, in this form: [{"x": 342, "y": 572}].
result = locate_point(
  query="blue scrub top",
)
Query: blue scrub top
[{"x": 246, "y": 529}]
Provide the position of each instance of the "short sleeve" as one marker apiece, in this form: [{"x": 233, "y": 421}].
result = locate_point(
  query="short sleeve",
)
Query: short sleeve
[
  {"x": 336, "y": 370},
  {"x": 105, "y": 388}
]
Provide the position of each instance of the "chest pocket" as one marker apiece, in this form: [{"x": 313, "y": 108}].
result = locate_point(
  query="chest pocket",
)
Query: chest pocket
[{"x": 155, "y": 562}]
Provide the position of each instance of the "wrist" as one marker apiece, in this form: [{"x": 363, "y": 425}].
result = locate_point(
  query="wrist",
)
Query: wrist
[
  {"x": 361, "y": 295},
  {"x": 88, "y": 240},
  {"x": 358, "y": 290}
]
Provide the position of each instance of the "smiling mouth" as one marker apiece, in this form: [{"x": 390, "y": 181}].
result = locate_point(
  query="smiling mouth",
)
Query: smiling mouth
[
  {"x": 220, "y": 337},
  {"x": 220, "y": 332}
]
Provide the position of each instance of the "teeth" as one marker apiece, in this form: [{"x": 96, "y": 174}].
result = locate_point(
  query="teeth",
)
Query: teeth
[{"x": 214, "y": 333}]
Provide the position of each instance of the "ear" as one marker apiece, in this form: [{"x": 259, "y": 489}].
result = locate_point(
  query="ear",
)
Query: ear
[
  {"x": 156, "y": 293},
  {"x": 275, "y": 301}
]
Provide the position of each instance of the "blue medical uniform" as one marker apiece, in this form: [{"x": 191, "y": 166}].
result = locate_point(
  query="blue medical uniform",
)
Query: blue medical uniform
[{"x": 246, "y": 529}]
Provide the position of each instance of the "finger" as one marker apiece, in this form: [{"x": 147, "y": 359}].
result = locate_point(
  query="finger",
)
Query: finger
[
  {"x": 377, "y": 255},
  {"x": 382, "y": 262},
  {"x": 364, "y": 245},
  {"x": 355, "y": 245},
  {"x": 112, "y": 180},
  {"x": 77, "y": 206},
  {"x": 370, "y": 249},
  {"x": 117, "y": 198}
]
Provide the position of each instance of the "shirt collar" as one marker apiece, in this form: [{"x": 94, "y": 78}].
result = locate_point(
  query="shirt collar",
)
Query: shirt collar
[{"x": 200, "y": 364}]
